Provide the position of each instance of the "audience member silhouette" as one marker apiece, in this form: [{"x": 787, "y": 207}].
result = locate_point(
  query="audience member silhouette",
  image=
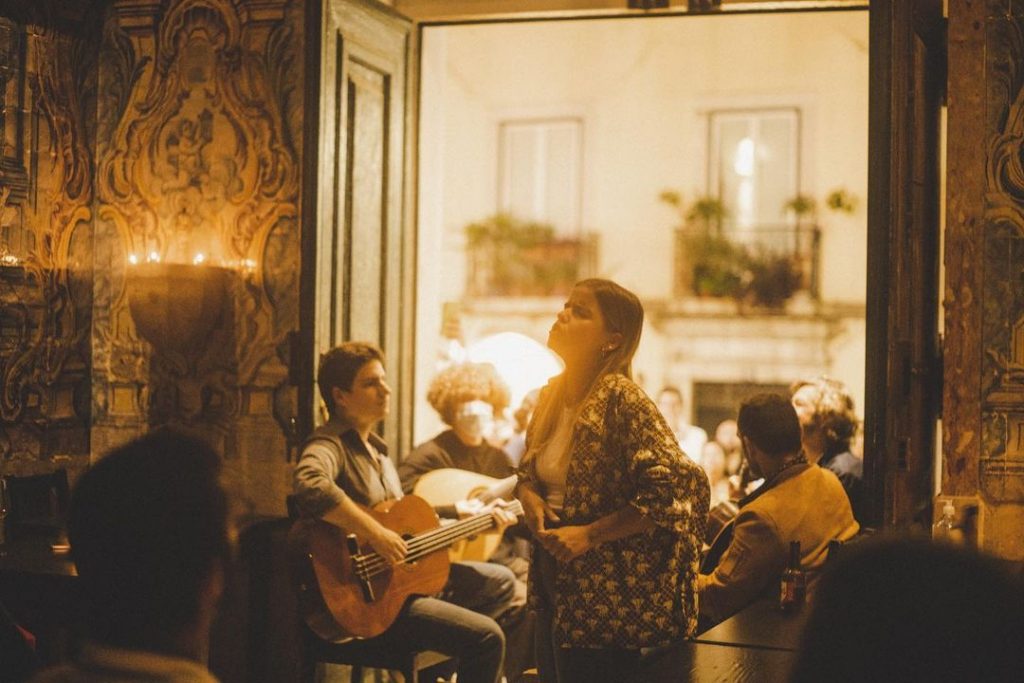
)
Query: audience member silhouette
[
  {"x": 910, "y": 610},
  {"x": 151, "y": 537}
]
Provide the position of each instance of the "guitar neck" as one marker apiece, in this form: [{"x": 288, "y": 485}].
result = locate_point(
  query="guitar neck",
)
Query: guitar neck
[{"x": 443, "y": 536}]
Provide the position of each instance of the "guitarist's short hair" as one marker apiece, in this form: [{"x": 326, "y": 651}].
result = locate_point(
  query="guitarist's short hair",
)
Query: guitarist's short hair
[
  {"x": 770, "y": 421},
  {"x": 340, "y": 365}
]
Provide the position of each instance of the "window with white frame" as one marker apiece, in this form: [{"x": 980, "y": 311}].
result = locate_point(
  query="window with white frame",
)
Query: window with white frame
[
  {"x": 754, "y": 169},
  {"x": 540, "y": 169}
]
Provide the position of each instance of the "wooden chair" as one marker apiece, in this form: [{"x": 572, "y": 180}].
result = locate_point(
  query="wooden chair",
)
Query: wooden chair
[
  {"x": 36, "y": 504},
  {"x": 361, "y": 655}
]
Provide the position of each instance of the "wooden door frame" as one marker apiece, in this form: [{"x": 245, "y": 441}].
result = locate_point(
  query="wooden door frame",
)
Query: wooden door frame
[{"x": 302, "y": 347}]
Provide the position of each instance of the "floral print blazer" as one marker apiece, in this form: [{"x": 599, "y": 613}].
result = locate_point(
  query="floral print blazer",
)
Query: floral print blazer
[{"x": 638, "y": 591}]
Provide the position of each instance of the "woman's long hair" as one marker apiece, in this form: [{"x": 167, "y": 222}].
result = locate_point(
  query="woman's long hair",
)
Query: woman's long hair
[{"x": 623, "y": 313}]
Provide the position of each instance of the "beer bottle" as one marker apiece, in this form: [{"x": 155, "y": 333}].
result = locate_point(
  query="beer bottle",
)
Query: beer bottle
[{"x": 794, "y": 582}]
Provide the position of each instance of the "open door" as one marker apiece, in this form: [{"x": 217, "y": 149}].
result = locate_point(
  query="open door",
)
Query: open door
[
  {"x": 356, "y": 260},
  {"x": 903, "y": 390}
]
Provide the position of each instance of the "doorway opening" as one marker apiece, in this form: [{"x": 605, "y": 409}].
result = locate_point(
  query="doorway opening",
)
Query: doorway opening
[{"x": 716, "y": 165}]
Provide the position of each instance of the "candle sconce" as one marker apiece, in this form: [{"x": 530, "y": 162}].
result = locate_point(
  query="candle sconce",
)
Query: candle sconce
[{"x": 176, "y": 305}]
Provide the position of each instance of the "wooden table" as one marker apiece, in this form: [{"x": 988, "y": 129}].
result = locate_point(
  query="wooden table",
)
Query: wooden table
[
  {"x": 40, "y": 589},
  {"x": 761, "y": 625},
  {"x": 693, "y": 662}
]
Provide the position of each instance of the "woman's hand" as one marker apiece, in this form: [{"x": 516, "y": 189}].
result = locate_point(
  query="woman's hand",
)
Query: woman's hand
[
  {"x": 535, "y": 510},
  {"x": 567, "y": 543}
]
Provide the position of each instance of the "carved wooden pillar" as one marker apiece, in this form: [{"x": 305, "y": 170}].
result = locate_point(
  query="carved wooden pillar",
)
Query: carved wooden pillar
[{"x": 983, "y": 408}]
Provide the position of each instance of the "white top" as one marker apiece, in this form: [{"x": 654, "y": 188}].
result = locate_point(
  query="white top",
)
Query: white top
[
  {"x": 692, "y": 439},
  {"x": 553, "y": 461}
]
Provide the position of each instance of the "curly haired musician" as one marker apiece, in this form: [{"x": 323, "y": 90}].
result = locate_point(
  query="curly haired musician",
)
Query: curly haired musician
[{"x": 344, "y": 466}]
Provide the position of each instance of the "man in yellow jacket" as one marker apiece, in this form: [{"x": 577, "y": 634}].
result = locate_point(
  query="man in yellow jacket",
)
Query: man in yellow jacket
[{"x": 798, "y": 501}]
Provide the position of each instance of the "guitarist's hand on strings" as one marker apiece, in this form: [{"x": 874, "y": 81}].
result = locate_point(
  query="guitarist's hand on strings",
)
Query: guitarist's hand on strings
[
  {"x": 388, "y": 545},
  {"x": 497, "y": 508},
  {"x": 535, "y": 510},
  {"x": 502, "y": 516}
]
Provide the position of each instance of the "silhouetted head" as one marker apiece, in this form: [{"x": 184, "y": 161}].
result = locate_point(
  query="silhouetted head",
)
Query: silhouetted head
[
  {"x": 151, "y": 537},
  {"x": 910, "y": 610}
]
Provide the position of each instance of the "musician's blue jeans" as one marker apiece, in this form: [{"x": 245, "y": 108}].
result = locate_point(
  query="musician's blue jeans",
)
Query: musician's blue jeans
[{"x": 460, "y": 624}]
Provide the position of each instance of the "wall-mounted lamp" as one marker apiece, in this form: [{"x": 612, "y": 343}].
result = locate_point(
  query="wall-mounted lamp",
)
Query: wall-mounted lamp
[{"x": 175, "y": 305}]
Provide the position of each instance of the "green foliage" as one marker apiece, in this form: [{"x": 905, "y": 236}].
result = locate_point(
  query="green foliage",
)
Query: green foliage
[
  {"x": 801, "y": 205},
  {"x": 773, "y": 278},
  {"x": 840, "y": 199},
  {"x": 521, "y": 258},
  {"x": 716, "y": 264}
]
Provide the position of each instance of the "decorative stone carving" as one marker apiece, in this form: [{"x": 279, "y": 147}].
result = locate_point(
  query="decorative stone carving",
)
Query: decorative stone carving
[
  {"x": 47, "y": 81},
  {"x": 1002, "y": 458},
  {"x": 200, "y": 163}
]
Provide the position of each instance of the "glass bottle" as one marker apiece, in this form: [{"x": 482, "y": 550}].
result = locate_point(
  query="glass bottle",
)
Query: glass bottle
[
  {"x": 945, "y": 530},
  {"x": 793, "y": 589}
]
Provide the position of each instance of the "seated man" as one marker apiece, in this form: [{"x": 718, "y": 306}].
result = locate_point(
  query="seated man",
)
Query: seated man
[
  {"x": 798, "y": 501},
  {"x": 344, "y": 465},
  {"x": 150, "y": 536}
]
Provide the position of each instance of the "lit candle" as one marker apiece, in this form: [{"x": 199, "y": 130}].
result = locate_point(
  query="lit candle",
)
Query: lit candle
[
  {"x": 199, "y": 258},
  {"x": 133, "y": 259},
  {"x": 153, "y": 257}
]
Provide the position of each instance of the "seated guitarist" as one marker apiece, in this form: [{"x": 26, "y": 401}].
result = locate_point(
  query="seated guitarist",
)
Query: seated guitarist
[
  {"x": 344, "y": 465},
  {"x": 799, "y": 501}
]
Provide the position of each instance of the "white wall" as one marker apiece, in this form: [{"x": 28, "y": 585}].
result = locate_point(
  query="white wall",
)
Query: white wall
[{"x": 642, "y": 88}]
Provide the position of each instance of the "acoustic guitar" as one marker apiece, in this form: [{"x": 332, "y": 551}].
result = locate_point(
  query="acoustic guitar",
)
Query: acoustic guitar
[
  {"x": 447, "y": 485},
  {"x": 347, "y": 590},
  {"x": 718, "y": 534}
]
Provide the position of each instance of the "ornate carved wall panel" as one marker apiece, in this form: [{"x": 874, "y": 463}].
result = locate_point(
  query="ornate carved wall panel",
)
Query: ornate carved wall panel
[
  {"x": 198, "y": 136},
  {"x": 47, "y": 116},
  {"x": 1002, "y": 458},
  {"x": 983, "y": 414}
]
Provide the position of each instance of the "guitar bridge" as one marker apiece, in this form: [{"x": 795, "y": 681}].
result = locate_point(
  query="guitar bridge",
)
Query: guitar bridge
[{"x": 360, "y": 569}]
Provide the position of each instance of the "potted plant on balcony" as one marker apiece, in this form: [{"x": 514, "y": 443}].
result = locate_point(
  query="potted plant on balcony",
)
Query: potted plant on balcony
[
  {"x": 513, "y": 257},
  {"x": 773, "y": 278},
  {"x": 708, "y": 262},
  {"x": 804, "y": 210}
]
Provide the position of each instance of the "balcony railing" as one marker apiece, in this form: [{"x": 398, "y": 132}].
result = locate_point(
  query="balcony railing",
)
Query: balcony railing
[
  {"x": 547, "y": 268},
  {"x": 763, "y": 265}
]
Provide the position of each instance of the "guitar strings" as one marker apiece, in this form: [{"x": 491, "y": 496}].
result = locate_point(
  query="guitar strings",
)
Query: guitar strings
[
  {"x": 430, "y": 541},
  {"x": 371, "y": 564},
  {"x": 374, "y": 564}
]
